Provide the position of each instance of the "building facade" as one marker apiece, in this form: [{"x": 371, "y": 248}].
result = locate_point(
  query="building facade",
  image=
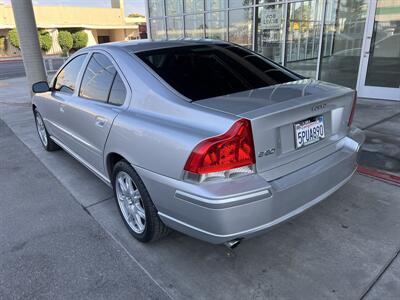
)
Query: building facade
[
  {"x": 355, "y": 43},
  {"x": 101, "y": 24}
]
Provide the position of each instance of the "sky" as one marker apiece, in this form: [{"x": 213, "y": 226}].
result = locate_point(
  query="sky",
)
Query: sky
[{"x": 130, "y": 5}]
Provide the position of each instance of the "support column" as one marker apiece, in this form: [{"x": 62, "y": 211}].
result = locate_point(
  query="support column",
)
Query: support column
[{"x": 28, "y": 40}]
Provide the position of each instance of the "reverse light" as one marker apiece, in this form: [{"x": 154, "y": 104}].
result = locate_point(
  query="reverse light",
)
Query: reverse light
[
  {"x": 224, "y": 156},
  {"x": 353, "y": 109}
]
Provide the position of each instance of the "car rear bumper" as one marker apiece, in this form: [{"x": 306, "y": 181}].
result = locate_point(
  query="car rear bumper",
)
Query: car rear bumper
[{"x": 223, "y": 211}]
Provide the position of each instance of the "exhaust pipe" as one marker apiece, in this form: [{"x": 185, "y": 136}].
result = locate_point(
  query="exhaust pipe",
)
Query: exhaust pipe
[{"x": 233, "y": 243}]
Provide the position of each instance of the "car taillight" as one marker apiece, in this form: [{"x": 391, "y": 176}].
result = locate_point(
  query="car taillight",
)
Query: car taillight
[
  {"x": 226, "y": 155},
  {"x": 353, "y": 109}
]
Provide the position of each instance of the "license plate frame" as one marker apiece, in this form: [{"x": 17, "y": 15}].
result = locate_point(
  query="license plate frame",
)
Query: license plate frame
[{"x": 309, "y": 131}]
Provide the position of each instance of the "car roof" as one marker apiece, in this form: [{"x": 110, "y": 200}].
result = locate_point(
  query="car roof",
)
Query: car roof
[{"x": 136, "y": 46}]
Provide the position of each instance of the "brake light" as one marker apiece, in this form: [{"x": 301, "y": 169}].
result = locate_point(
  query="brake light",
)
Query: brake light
[
  {"x": 231, "y": 150},
  {"x": 353, "y": 109}
]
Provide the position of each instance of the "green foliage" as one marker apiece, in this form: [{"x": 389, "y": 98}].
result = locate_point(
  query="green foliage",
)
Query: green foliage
[
  {"x": 135, "y": 15},
  {"x": 80, "y": 40},
  {"x": 13, "y": 37},
  {"x": 65, "y": 40},
  {"x": 45, "y": 40}
]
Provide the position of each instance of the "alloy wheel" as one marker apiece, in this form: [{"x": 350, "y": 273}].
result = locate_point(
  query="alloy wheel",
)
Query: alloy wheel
[
  {"x": 41, "y": 129},
  {"x": 130, "y": 202}
]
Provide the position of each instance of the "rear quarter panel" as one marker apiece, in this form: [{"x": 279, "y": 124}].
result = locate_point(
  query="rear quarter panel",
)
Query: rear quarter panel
[{"x": 159, "y": 129}]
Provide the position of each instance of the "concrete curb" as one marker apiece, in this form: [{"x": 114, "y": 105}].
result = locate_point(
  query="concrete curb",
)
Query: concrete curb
[{"x": 379, "y": 174}]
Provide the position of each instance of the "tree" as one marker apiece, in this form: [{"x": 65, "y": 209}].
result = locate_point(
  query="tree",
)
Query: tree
[
  {"x": 65, "y": 41},
  {"x": 13, "y": 37},
  {"x": 45, "y": 40},
  {"x": 135, "y": 15},
  {"x": 80, "y": 40}
]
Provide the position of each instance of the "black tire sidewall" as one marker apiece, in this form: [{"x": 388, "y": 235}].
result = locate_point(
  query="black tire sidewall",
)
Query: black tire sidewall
[
  {"x": 149, "y": 208},
  {"x": 46, "y": 147}
]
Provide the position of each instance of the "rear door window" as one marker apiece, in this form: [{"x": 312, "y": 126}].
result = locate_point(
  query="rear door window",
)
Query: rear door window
[
  {"x": 206, "y": 71},
  {"x": 118, "y": 91},
  {"x": 98, "y": 78}
]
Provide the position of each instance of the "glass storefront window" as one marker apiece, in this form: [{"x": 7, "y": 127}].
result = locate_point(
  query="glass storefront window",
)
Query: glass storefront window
[
  {"x": 175, "y": 27},
  {"x": 216, "y": 4},
  {"x": 303, "y": 36},
  {"x": 194, "y": 26},
  {"x": 156, "y": 8},
  {"x": 269, "y": 31},
  {"x": 240, "y": 26},
  {"x": 384, "y": 53},
  {"x": 173, "y": 7},
  {"x": 240, "y": 3},
  {"x": 216, "y": 27},
  {"x": 291, "y": 33},
  {"x": 342, "y": 41},
  {"x": 267, "y": 1},
  {"x": 157, "y": 27},
  {"x": 193, "y": 6}
]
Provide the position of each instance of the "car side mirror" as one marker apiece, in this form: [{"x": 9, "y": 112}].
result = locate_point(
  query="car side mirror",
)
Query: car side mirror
[{"x": 40, "y": 87}]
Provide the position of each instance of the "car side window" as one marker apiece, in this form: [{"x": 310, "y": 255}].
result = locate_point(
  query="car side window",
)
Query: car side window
[
  {"x": 98, "y": 78},
  {"x": 66, "y": 79},
  {"x": 118, "y": 91}
]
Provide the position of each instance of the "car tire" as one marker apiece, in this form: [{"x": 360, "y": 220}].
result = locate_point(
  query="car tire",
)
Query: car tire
[
  {"x": 135, "y": 204},
  {"x": 47, "y": 143}
]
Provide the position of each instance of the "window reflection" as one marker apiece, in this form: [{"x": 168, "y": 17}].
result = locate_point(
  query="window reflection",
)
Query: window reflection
[
  {"x": 269, "y": 31},
  {"x": 216, "y": 27},
  {"x": 240, "y": 26},
  {"x": 157, "y": 27},
  {"x": 156, "y": 8},
  {"x": 302, "y": 37},
  {"x": 98, "y": 78},
  {"x": 194, "y": 26},
  {"x": 239, "y": 3},
  {"x": 216, "y": 4},
  {"x": 173, "y": 7},
  {"x": 175, "y": 27},
  {"x": 342, "y": 41},
  {"x": 384, "y": 58},
  {"x": 66, "y": 79},
  {"x": 193, "y": 6}
]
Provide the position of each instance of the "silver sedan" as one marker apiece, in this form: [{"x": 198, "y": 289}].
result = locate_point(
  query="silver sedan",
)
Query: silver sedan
[{"x": 201, "y": 136}]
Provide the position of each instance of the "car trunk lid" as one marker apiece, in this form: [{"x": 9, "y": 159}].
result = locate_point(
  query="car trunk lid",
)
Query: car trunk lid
[{"x": 274, "y": 110}]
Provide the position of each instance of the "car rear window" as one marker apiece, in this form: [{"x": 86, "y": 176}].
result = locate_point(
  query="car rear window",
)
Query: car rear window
[{"x": 206, "y": 71}]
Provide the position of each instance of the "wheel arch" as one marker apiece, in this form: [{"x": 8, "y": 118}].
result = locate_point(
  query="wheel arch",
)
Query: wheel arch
[{"x": 112, "y": 159}]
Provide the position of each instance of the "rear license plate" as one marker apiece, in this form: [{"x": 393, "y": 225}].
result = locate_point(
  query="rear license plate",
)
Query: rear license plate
[{"x": 309, "y": 131}]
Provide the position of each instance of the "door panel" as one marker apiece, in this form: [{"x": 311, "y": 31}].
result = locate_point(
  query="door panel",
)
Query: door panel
[
  {"x": 88, "y": 115},
  {"x": 88, "y": 124},
  {"x": 64, "y": 87},
  {"x": 58, "y": 116}
]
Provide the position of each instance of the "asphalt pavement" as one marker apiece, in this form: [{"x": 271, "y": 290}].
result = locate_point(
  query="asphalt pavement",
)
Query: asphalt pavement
[
  {"x": 347, "y": 247},
  {"x": 15, "y": 68},
  {"x": 50, "y": 247}
]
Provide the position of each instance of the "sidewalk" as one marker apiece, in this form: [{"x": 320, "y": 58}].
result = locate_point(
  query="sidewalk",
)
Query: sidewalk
[
  {"x": 19, "y": 58},
  {"x": 347, "y": 247},
  {"x": 50, "y": 247},
  {"x": 380, "y": 155}
]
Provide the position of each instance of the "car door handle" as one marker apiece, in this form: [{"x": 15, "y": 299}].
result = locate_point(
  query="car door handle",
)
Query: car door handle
[
  {"x": 100, "y": 121},
  {"x": 62, "y": 106}
]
